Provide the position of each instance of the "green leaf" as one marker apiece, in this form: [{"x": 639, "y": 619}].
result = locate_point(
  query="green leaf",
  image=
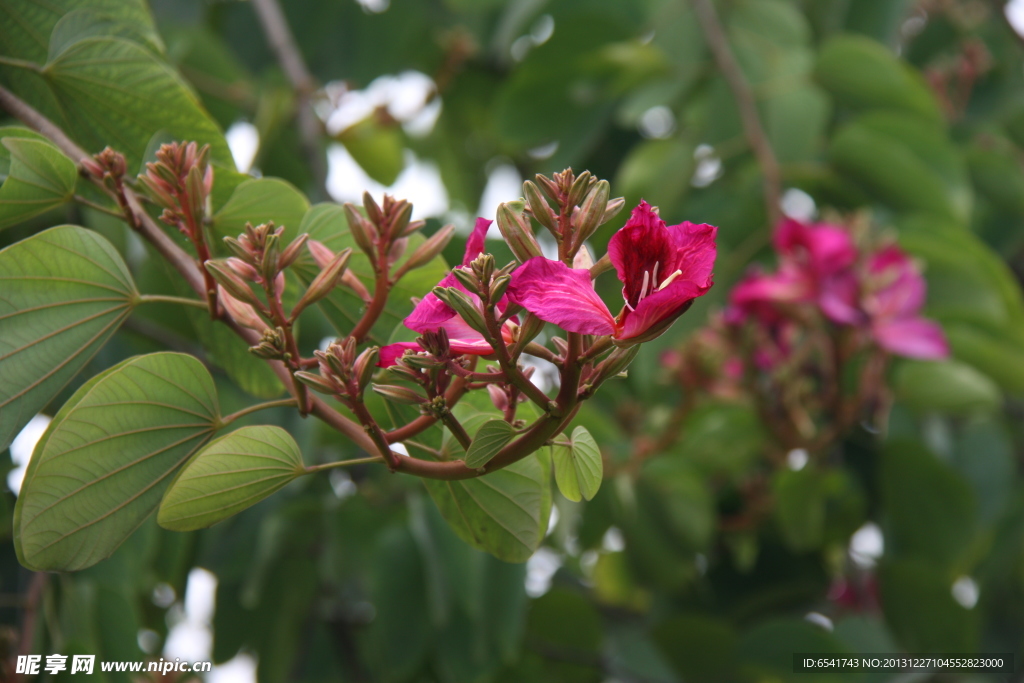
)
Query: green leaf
[
  {"x": 111, "y": 91},
  {"x": 800, "y": 507},
  {"x": 232, "y": 473},
  {"x": 946, "y": 386},
  {"x": 40, "y": 178},
  {"x": 578, "y": 466},
  {"x": 376, "y": 147},
  {"x": 919, "y": 607},
  {"x": 103, "y": 463},
  {"x": 14, "y": 132},
  {"x": 488, "y": 440},
  {"x": 326, "y": 223},
  {"x": 260, "y": 201},
  {"x": 79, "y": 24},
  {"x": 863, "y": 74},
  {"x": 63, "y": 293},
  {"x": 931, "y": 509},
  {"x": 504, "y": 513}
]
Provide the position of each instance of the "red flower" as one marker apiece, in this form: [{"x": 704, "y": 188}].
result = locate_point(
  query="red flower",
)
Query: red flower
[
  {"x": 893, "y": 301},
  {"x": 662, "y": 270}
]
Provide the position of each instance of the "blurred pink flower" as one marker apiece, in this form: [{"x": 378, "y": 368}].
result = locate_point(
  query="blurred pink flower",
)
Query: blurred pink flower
[
  {"x": 662, "y": 270},
  {"x": 893, "y": 299}
]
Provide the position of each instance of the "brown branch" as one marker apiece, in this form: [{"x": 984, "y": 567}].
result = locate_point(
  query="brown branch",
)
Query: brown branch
[
  {"x": 745, "y": 102},
  {"x": 33, "y": 597},
  {"x": 278, "y": 33}
]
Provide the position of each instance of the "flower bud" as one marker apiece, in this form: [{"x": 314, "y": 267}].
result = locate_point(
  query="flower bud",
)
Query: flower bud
[
  {"x": 196, "y": 190},
  {"x": 531, "y": 327},
  {"x": 242, "y": 269},
  {"x": 350, "y": 280},
  {"x": 271, "y": 346},
  {"x": 397, "y": 394},
  {"x": 318, "y": 383},
  {"x": 498, "y": 287},
  {"x": 400, "y": 219},
  {"x": 324, "y": 282},
  {"x": 616, "y": 363},
  {"x": 291, "y": 253},
  {"x": 242, "y": 313},
  {"x": 238, "y": 249},
  {"x": 397, "y": 249},
  {"x": 426, "y": 252},
  {"x": 592, "y": 211},
  {"x": 498, "y": 397},
  {"x": 321, "y": 254},
  {"x": 373, "y": 211},
  {"x": 613, "y": 208},
  {"x": 539, "y": 208},
  {"x": 365, "y": 366},
  {"x": 271, "y": 253},
  {"x": 517, "y": 233},
  {"x": 363, "y": 232},
  {"x": 235, "y": 286},
  {"x": 580, "y": 187},
  {"x": 460, "y": 302},
  {"x": 468, "y": 279},
  {"x": 548, "y": 186},
  {"x": 583, "y": 259},
  {"x": 414, "y": 226}
]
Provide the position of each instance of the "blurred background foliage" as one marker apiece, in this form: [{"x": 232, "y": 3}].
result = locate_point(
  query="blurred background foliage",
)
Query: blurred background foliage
[{"x": 705, "y": 563}]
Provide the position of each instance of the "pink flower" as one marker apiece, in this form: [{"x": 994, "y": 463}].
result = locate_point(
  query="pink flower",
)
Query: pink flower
[
  {"x": 662, "y": 270},
  {"x": 893, "y": 301},
  {"x": 815, "y": 265},
  {"x": 432, "y": 314}
]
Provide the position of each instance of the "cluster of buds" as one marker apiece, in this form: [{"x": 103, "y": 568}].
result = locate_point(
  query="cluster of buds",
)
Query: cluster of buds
[
  {"x": 108, "y": 167},
  {"x": 261, "y": 259},
  {"x": 582, "y": 204},
  {"x": 180, "y": 181},
  {"x": 344, "y": 374},
  {"x": 383, "y": 235}
]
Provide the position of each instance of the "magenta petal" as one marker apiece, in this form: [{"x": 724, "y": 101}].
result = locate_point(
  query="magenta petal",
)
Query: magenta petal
[
  {"x": 829, "y": 248},
  {"x": 390, "y": 354},
  {"x": 694, "y": 252},
  {"x": 788, "y": 285},
  {"x": 431, "y": 311},
  {"x": 913, "y": 338},
  {"x": 475, "y": 243},
  {"x": 658, "y": 309},
  {"x": 838, "y": 299},
  {"x": 561, "y": 295},
  {"x": 473, "y": 347}
]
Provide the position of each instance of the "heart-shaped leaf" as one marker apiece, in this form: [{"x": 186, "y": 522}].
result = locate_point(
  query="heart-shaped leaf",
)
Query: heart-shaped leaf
[
  {"x": 489, "y": 439},
  {"x": 115, "y": 92},
  {"x": 578, "y": 466},
  {"x": 40, "y": 178},
  {"x": 102, "y": 465},
  {"x": 63, "y": 293},
  {"x": 233, "y": 472}
]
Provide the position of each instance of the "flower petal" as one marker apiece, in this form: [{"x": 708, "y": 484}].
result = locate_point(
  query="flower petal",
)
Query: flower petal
[
  {"x": 913, "y": 338},
  {"x": 561, "y": 295},
  {"x": 431, "y": 311},
  {"x": 658, "y": 311},
  {"x": 829, "y": 248},
  {"x": 642, "y": 243},
  {"x": 475, "y": 243},
  {"x": 390, "y": 354},
  {"x": 838, "y": 299},
  {"x": 694, "y": 251}
]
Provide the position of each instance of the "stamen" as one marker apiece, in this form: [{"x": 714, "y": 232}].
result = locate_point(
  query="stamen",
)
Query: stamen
[
  {"x": 643, "y": 290},
  {"x": 654, "y": 278},
  {"x": 669, "y": 280}
]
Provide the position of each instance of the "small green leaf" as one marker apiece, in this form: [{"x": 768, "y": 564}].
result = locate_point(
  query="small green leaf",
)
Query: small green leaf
[
  {"x": 260, "y": 201},
  {"x": 63, "y": 293},
  {"x": 232, "y": 473},
  {"x": 489, "y": 439},
  {"x": 948, "y": 386},
  {"x": 376, "y": 147},
  {"x": 103, "y": 463},
  {"x": 40, "y": 178},
  {"x": 14, "y": 132},
  {"x": 82, "y": 23},
  {"x": 578, "y": 466}
]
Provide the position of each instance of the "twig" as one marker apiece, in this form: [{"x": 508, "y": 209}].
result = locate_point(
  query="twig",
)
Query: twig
[
  {"x": 745, "y": 102},
  {"x": 278, "y": 33}
]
